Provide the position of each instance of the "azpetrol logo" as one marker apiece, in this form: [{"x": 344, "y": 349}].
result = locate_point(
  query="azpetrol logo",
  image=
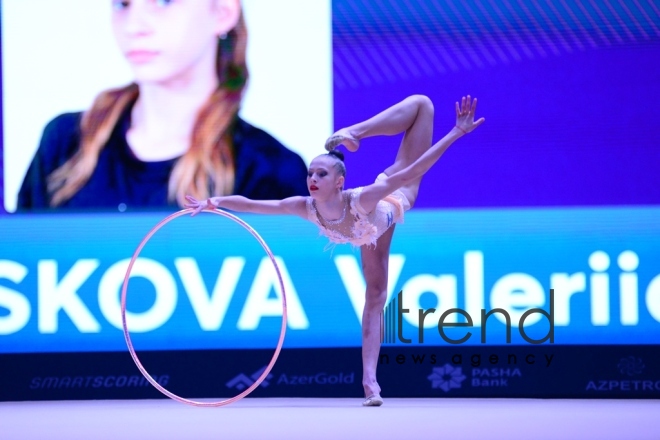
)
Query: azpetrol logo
[
  {"x": 394, "y": 315},
  {"x": 632, "y": 368}
]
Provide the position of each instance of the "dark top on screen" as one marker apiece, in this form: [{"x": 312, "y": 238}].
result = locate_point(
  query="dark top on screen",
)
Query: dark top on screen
[{"x": 265, "y": 169}]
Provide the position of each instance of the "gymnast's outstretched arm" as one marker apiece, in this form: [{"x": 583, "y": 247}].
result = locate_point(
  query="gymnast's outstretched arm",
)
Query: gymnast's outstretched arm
[{"x": 292, "y": 205}]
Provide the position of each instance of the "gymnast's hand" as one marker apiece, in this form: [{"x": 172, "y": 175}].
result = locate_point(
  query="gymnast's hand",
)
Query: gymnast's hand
[
  {"x": 199, "y": 205},
  {"x": 465, "y": 115}
]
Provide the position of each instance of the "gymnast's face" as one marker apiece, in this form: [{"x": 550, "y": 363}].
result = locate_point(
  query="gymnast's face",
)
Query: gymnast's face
[
  {"x": 170, "y": 41},
  {"x": 323, "y": 180}
]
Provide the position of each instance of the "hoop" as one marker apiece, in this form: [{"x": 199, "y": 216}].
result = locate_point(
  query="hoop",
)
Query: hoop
[{"x": 128, "y": 337}]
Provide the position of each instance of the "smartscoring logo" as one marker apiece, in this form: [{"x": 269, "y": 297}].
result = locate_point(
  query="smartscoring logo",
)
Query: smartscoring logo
[{"x": 109, "y": 381}]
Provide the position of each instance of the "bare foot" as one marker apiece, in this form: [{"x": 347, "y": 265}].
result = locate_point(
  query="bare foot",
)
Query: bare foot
[{"x": 343, "y": 137}]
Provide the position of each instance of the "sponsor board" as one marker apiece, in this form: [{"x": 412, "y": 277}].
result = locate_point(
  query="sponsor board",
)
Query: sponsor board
[
  {"x": 633, "y": 376},
  {"x": 242, "y": 380},
  {"x": 435, "y": 371}
]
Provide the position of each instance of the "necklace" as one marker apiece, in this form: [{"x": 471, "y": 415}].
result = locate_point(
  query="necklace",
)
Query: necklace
[{"x": 332, "y": 222}]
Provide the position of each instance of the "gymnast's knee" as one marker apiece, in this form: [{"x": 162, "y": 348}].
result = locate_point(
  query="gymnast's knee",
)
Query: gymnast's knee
[
  {"x": 423, "y": 102},
  {"x": 375, "y": 297}
]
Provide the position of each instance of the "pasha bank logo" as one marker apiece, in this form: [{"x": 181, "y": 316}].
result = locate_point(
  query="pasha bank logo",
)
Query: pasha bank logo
[{"x": 446, "y": 377}]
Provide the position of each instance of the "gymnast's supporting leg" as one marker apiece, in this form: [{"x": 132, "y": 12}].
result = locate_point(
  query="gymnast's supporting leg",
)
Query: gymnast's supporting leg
[
  {"x": 374, "y": 267},
  {"x": 414, "y": 116}
]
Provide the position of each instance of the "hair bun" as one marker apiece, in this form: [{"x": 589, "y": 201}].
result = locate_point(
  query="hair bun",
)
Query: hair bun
[{"x": 338, "y": 154}]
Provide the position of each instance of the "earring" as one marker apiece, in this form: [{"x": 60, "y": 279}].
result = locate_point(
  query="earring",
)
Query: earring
[{"x": 223, "y": 36}]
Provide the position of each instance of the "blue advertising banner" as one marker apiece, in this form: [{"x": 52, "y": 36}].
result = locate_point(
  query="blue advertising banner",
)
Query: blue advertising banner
[{"x": 205, "y": 283}]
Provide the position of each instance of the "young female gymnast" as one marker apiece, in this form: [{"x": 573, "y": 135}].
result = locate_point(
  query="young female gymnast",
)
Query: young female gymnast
[{"x": 366, "y": 216}]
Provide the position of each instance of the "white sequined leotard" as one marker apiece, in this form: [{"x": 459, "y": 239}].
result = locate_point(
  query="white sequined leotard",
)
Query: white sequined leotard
[{"x": 357, "y": 226}]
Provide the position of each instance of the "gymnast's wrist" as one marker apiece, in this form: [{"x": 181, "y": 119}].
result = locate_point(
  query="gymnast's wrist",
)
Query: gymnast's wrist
[
  {"x": 212, "y": 203},
  {"x": 460, "y": 130}
]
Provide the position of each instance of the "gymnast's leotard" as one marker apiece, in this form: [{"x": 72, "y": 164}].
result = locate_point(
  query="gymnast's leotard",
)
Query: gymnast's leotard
[{"x": 360, "y": 228}]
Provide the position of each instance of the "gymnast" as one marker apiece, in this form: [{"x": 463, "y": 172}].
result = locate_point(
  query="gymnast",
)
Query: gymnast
[{"x": 366, "y": 216}]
